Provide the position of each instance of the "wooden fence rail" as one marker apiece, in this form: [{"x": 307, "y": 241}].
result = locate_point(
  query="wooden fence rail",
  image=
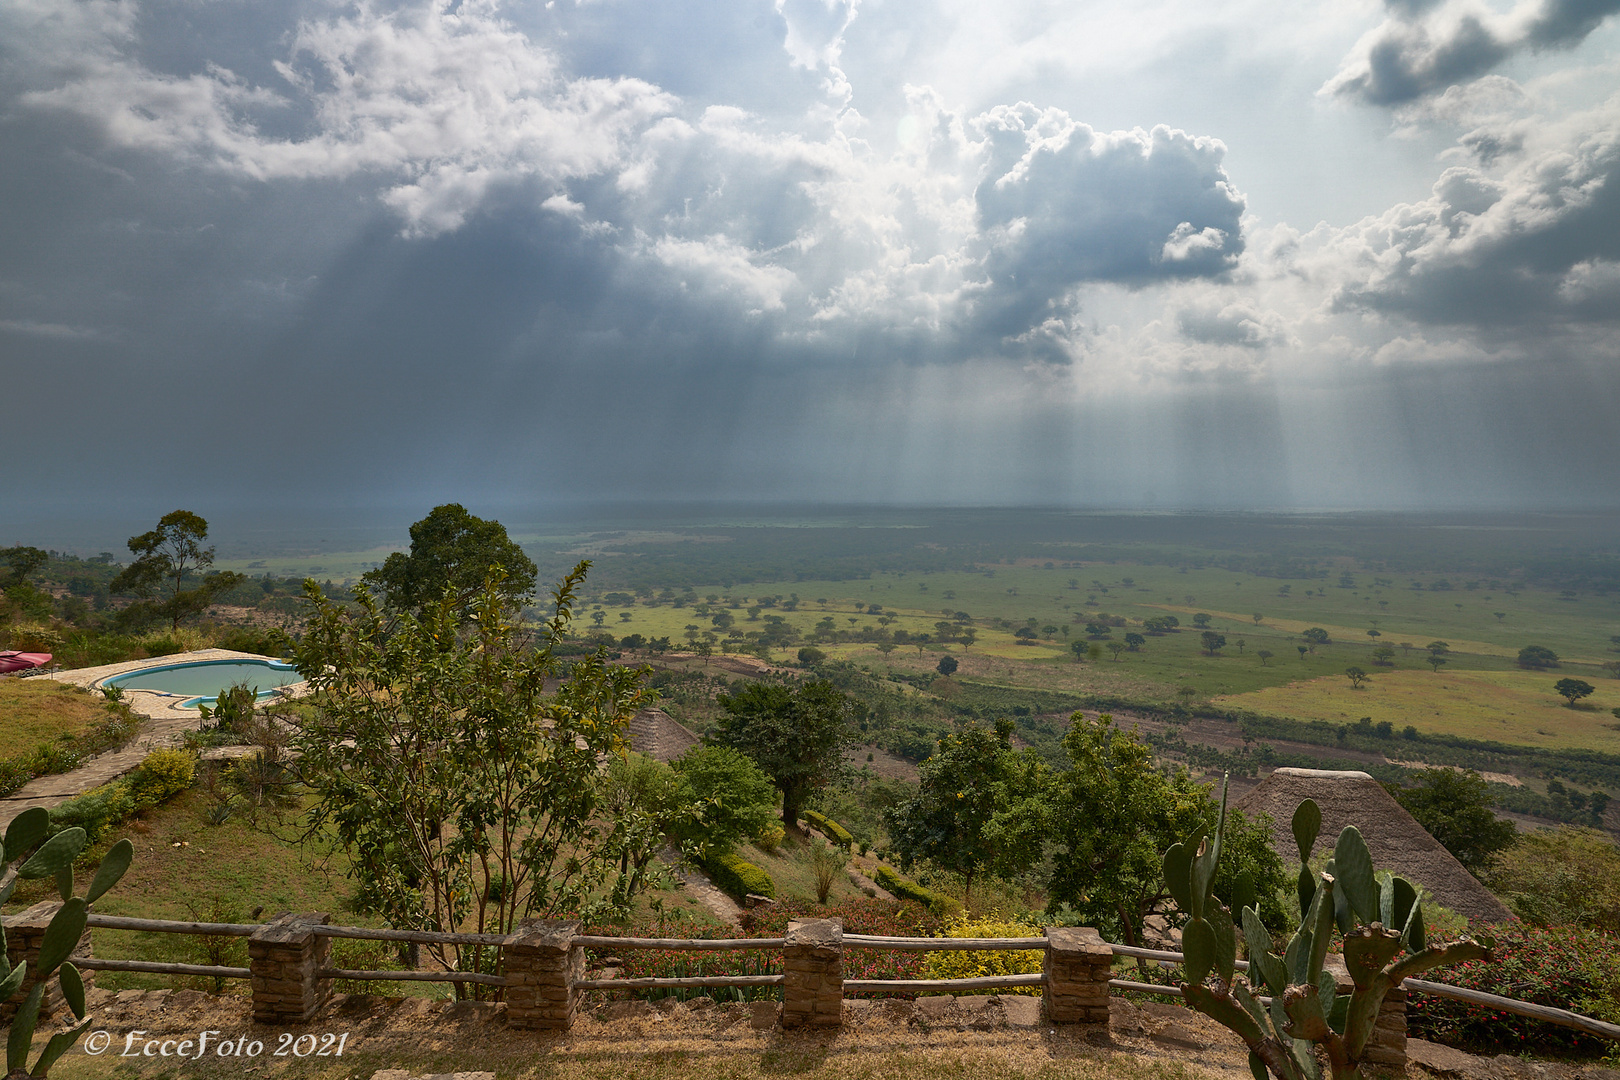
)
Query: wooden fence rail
[{"x": 542, "y": 968}]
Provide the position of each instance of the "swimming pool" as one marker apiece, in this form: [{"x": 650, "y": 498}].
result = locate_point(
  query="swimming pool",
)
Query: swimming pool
[{"x": 202, "y": 680}]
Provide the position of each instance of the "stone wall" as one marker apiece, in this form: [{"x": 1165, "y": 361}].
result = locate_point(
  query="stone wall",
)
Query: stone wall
[
  {"x": 813, "y": 964},
  {"x": 284, "y": 956},
  {"x": 542, "y": 966},
  {"x": 1079, "y": 964}
]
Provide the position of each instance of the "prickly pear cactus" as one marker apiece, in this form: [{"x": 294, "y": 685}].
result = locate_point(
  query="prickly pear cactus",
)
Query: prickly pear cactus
[
  {"x": 51, "y": 859},
  {"x": 1380, "y": 918}
]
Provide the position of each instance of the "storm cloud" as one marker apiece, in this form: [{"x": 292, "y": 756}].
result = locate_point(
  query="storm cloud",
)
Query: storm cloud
[{"x": 806, "y": 248}]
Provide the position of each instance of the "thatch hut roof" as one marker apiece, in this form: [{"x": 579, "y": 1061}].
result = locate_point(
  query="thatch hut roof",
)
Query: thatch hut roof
[
  {"x": 659, "y": 735},
  {"x": 1394, "y": 837}
]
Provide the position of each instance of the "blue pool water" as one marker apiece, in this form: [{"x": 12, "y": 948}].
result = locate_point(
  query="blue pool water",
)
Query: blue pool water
[{"x": 202, "y": 680}]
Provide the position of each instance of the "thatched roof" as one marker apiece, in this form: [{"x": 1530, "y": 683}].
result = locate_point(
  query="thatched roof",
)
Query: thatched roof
[
  {"x": 1397, "y": 842},
  {"x": 659, "y": 735}
]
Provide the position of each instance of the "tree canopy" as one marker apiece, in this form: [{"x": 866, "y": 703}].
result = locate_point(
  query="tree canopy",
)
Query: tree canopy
[
  {"x": 1572, "y": 690},
  {"x": 451, "y": 554},
  {"x": 797, "y": 736},
  {"x": 980, "y": 806},
  {"x": 1455, "y": 808},
  {"x": 165, "y": 558}
]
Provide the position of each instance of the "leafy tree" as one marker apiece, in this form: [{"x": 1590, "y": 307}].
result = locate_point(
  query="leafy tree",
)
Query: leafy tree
[
  {"x": 493, "y": 788},
  {"x": 947, "y": 665},
  {"x": 1436, "y": 661},
  {"x": 1080, "y": 649},
  {"x": 1112, "y": 813},
  {"x": 1241, "y": 645},
  {"x": 1455, "y": 808},
  {"x": 1564, "y": 877},
  {"x": 796, "y": 736},
  {"x": 810, "y": 656},
  {"x": 734, "y": 800},
  {"x": 1265, "y": 657},
  {"x": 1257, "y": 616},
  {"x": 164, "y": 558},
  {"x": 1134, "y": 641},
  {"x": 1383, "y": 655},
  {"x": 1572, "y": 690},
  {"x": 1201, "y": 620},
  {"x": 452, "y": 551},
  {"x": 1213, "y": 642},
  {"x": 980, "y": 806},
  {"x": 1438, "y": 648},
  {"x": 1537, "y": 657},
  {"x": 1315, "y": 636},
  {"x": 1116, "y": 647},
  {"x": 1303, "y": 649},
  {"x": 22, "y": 561},
  {"x": 1356, "y": 677}
]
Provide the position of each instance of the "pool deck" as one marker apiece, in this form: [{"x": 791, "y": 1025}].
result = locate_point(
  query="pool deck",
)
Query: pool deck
[{"x": 166, "y": 722}]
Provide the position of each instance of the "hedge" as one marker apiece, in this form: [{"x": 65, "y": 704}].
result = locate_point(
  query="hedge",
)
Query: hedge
[
  {"x": 738, "y": 877},
  {"x": 834, "y": 831},
  {"x": 907, "y": 889}
]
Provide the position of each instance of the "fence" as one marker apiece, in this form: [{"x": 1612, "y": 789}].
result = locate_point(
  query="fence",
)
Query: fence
[{"x": 543, "y": 970}]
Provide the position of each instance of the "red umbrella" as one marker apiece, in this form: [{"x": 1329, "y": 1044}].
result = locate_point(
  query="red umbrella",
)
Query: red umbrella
[{"x": 21, "y": 661}]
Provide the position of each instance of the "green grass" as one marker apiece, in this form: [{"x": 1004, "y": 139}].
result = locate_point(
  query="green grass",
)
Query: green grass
[
  {"x": 35, "y": 711},
  {"x": 790, "y": 868}
]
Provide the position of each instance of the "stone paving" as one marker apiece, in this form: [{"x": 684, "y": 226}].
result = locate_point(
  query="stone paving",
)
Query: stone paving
[{"x": 166, "y": 722}]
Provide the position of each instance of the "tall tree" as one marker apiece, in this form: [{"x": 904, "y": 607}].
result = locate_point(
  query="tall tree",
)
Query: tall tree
[
  {"x": 451, "y": 554},
  {"x": 1455, "y": 807},
  {"x": 797, "y": 737},
  {"x": 980, "y": 806},
  {"x": 165, "y": 559},
  {"x": 493, "y": 787}
]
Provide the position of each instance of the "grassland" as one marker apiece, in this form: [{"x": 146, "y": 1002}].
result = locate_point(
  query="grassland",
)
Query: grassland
[
  {"x": 1506, "y": 706},
  {"x": 42, "y": 711}
]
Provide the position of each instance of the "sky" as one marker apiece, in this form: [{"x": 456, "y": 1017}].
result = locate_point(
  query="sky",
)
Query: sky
[{"x": 1156, "y": 254}]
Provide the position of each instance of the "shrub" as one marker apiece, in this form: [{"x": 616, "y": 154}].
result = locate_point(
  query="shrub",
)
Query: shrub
[
  {"x": 978, "y": 965},
  {"x": 886, "y": 918},
  {"x": 737, "y": 877},
  {"x": 1567, "y": 967},
  {"x": 833, "y": 831},
  {"x": 906, "y": 889},
  {"x": 826, "y": 863},
  {"x": 163, "y": 774},
  {"x": 770, "y": 837},
  {"x": 96, "y": 811}
]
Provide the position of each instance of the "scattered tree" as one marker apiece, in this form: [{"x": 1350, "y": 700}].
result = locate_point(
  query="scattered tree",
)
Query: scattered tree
[
  {"x": 1116, "y": 647},
  {"x": 947, "y": 665},
  {"x": 1315, "y": 636},
  {"x": 1435, "y": 661},
  {"x": 1303, "y": 649},
  {"x": 1213, "y": 642},
  {"x": 1257, "y": 617},
  {"x": 1241, "y": 644},
  {"x": 1201, "y": 620},
  {"x": 1135, "y": 641},
  {"x": 164, "y": 559},
  {"x": 1265, "y": 657},
  {"x": 1357, "y": 677},
  {"x": 1572, "y": 690},
  {"x": 1537, "y": 657}
]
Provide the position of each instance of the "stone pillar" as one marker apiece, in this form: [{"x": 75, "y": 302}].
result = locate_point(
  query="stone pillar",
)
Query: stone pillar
[
  {"x": 1386, "y": 1047},
  {"x": 1079, "y": 964},
  {"x": 25, "y": 932},
  {"x": 813, "y": 963},
  {"x": 543, "y": 966},
  {"x": 284, "y": 956}
]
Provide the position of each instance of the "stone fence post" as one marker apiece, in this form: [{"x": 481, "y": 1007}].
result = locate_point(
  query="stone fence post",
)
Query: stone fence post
[
  {"x": 542, "y": 966},
  {"x": 25, "y": 931},
  {"x": 1079, "y": 964},
  {"x": 283, "y": 956},
  {"x": 1386, "y": 1047},
  {"x": 813, "y": 966}
]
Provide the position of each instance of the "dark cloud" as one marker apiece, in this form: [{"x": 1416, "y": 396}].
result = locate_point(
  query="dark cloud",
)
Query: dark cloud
[{"x": 1422, "y": 51}]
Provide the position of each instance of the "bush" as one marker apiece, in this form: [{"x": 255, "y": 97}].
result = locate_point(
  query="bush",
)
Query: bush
[
  {"x": 96, "y": 811},
  {"x": 737, "y": 877},
  {"x": 906, "y": 889},
  {"x": 265, "y": 641},
  {"x": 978, "y": 965},
  {"x": 833, "y": 831},
  {"x": 770, "y": 837},
  {"x": 163, "y": 774},
  {"x": 1567, "y": 967},
  {"x": 827, "y": 863}
]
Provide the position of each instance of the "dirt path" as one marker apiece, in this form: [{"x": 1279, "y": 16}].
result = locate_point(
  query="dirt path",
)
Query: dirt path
[{"x": 701, "y": 889}]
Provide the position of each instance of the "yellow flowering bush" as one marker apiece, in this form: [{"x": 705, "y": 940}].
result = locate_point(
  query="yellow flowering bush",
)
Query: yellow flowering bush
[{"x": 978, "y": 965}]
